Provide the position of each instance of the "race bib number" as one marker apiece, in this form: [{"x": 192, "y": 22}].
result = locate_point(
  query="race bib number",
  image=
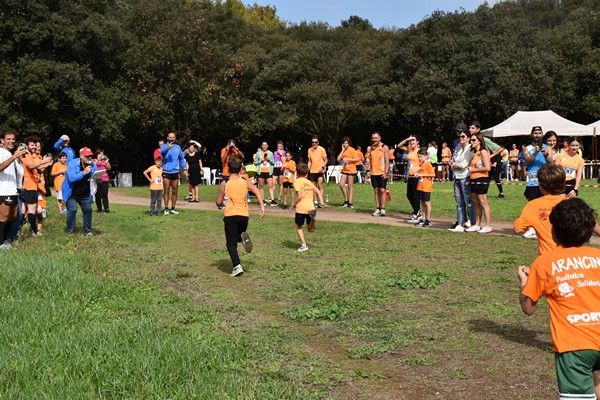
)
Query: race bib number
[
  {"x": 158, "y": 181},
  {"x": 278, "y": 164},
  {"x": 345, "y": 163},
  {"x": 264, "y": 167},
  {"x": 287, "y": 174},
  {"x": 531, "y": 177},
  {"x": 570, "y": 172}
]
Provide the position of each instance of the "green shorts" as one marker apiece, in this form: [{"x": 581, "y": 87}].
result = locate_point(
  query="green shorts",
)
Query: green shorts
[{"x": 575, "y": 373}]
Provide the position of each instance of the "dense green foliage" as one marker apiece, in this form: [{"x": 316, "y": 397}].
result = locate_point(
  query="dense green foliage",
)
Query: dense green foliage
[{"x": 121, "y": 73}]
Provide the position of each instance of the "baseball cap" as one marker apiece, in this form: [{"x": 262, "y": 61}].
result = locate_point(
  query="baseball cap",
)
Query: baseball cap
[
  {"x": 85, "y": 151},
  {"x": 536, "y": 128},
  {"x": 461, "y": 127}
]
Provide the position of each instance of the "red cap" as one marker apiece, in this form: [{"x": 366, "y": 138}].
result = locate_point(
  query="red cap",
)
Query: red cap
[{"x": 85, "y": 151}]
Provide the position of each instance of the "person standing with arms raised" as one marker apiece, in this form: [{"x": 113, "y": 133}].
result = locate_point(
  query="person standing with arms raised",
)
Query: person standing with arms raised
[
  {"x": 172, "y": 159},
  {"x": 377, "y": 172},
  {"x": 227, "y": 152},
  {"x": 317, "y": 162},
  {"x": 63, "y": 144}
]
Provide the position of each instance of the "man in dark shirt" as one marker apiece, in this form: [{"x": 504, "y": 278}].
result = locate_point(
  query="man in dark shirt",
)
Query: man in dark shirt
[{"x": 76, "y": 190}]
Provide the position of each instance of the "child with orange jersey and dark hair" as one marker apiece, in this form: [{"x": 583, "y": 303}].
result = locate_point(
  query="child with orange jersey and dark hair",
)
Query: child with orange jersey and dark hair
[
  {"x": 233, "y": 194},
  {"x": 288, "y": 178},
  {"x": 305, "y": 209},
  {"x": 425, "y": 174},
  {"x": 568, "y": 277}
]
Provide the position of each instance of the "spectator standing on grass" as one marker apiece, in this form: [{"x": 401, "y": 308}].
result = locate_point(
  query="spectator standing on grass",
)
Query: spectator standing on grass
[
  {"x": 425, "y": 175},
  {"x": 279, "y": 158},
  {"x": 59, "y": 170},
  {"x": 513, "y": 160},
  {"x": 446, "y": 158},
  {"x": 377, "y": 164},
  {"x": 157, "y": 151},
  {"x": 230, "y": 150},
  {"x": 264, "y": 161},
  {"x": 461, "y": 160},
  {"x": 304, "y": 205},
  {"x": 572, "y": 163},
  {"x": 567, "y": 277},
  {"x": 317, "y": 163},
  {"x": 348, "y": 159},
  {"x": 535, "y": 155},
  {"x": 495, "y": 157},
  {"x": 194, "y": 167},
  {"x": 172, "y": 156},
  {"x": 64, "y": 144},
  {"x": 9, "y": 178},
  {"x": 41, "y": 203},
  {"x": 103, "y": 163},
  {"x": 233, "y": 194},
  {"x": 288, "y": 178},
  {"x": 32, "y": 169},
  {"x": 411, "y": 146},
  {"x": 154, "y": 176},
  {"x": 360, "y": 164},
  {"x": 479, "y": 170},
  {"x": 76, "y": 190},
  {"x": 185, "y": 153}
]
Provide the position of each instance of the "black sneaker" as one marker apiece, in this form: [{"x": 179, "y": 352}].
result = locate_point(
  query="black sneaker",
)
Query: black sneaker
[
  {"x": 319, "y": 205},
  {"x": 501, "y": 196},
  {"x": 273, "y": 203},
  {"x": 345, "y": 204},
  {"x": 350, "y": 205}
]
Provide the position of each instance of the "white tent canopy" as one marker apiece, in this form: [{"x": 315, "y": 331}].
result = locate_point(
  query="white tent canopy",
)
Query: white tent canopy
[
  {"x": 520, "y": 124},
  {"x": 595, "y": 125}
]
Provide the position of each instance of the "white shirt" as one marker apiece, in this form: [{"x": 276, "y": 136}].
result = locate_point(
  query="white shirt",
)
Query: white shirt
[
  {"x": 8, "y": 177},
  {"x": 463, "y": 158}
]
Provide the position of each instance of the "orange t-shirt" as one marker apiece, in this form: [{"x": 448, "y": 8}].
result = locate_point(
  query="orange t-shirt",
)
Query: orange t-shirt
[
  {"x": 477, "y": 162},
  {"x": 413, "y": 161},
  {"x": 59, "y": 179},
  {"x": 317, "y": 158},
  {"x": 289, "y": 171},
  {"x": 156, "y": 176},
  {"x": 360, "y": 156},
  {"x": 569, "y": 164},
  {"x": 377, "y": 158},
  {"x": 569, "y": 278},
  {"x": 446, "y": 154},
  {"x": 305, "y": 189},
  {"x": 514, "y": 155},
  {"x": 236, "y": 193},
  {"x": 225, "y": 167},
  {"x": 536, "y": 214},
  {"x": 31, "y": 178},
  {"x": 391, "y": 157},
  {"x": 425, "y": 184},
  {"x": 349, "y": 167}
]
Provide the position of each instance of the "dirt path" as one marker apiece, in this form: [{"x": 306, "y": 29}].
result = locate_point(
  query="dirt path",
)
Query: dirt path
[{"x": 500, "y": 227}]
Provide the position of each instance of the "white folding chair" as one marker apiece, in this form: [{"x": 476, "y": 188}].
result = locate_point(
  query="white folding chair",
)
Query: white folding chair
[
  {"x": 206, "y": 175},
  {"x": 215, "y": 176}
]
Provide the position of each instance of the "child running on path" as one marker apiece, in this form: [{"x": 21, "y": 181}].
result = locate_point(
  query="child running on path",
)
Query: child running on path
[
  {"x": 154, "y": 176},
  {"x": 305, "y": 209},
  {"x": 568, "y": 276},
  {"x": 234, "y": 195},
  {"x": 425, "y": 175}
]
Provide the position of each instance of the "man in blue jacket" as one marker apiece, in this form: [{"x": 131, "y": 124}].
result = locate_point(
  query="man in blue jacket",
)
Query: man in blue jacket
[
  {"x": 62, "y": 144},
  {"x": 172, "y": 159},
  {"x": 76, "y": 190}
]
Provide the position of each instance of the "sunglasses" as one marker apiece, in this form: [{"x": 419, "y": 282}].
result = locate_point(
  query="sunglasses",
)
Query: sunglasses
[
  {"x": 473, "y": 140},
  {"x": 315, "y": 142},
  {"x": 463, "y": 136}
]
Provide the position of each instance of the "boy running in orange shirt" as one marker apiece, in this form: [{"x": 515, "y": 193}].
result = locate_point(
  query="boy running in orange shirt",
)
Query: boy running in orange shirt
[
  {"x": 289, "y": 177},
  {"x": 425, "y": 175},
  {"x": 568, "y": 277},
  {"x": 233, "y": 194},
  {"x": 305, "y": 209}
]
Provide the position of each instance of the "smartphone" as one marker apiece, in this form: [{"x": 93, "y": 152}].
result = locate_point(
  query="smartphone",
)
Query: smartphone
[
  {"x": 539, "y": 142},
  {"x": 23, "y": 146}
]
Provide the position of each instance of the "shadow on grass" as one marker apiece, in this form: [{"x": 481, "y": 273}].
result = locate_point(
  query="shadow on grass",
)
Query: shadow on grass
[
  {"x": 223, "y": 265},
  {"x": 290, "y": 244},
  {"x": 514, "y": 333}
]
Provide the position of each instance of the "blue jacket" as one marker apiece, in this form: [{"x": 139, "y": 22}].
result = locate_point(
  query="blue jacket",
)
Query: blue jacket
[
  {"x": 172, "y": 158},
  {"x": 67, "y": 150},
  {"x": 74, "y": 174}
]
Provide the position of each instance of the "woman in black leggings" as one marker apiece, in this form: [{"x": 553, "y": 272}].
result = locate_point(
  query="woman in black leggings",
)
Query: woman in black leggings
[{"x": 411, "y": 146}]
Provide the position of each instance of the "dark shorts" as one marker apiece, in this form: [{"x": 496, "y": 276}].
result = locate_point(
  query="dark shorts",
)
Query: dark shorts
[
  {"x": 378, "y": 182},
  {"x": 574, "y": 372},
  {"x": 343, "y": 173},
  {"x": 288, "y": 185},
  {"x": 264, "y": 175},
  {"x": 570, "y": 185},
  {"x": 532, "y": 193},
  {"x": 171, "y": 177},
  {"x": 276, "y": 171},
  {"x": 480, "y": 185},
  {"x": 514, "y": 163},
  {"x": 30, "y": 196},
  {"x": 424, "y": 196},
  {"x": 301, "y": 218},
  {"x": 314, "y": 177},
  {"x": 225, "y": 178}
]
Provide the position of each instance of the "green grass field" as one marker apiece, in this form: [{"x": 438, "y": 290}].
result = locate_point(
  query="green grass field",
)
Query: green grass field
[{"x": 146, "y": 309}]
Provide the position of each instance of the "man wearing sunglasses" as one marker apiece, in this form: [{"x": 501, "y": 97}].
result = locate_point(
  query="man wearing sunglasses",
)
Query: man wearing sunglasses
[{"x": 317, "y": 162}]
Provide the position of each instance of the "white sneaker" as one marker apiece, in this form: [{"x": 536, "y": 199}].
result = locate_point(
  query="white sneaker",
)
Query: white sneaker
[
  {"x": 166, "y": 212},
  {"x": 467, "y": 224},
  {"x": 457, "y": 228},
  {"x": 246, "y": 242},
  {"x": 382, "y": 212},
  {"x": 377, "y": 213},
  {"x": 237, "y": 270},
  {"x": 530, "y": 234},
  {"x": 174, "y": 212},
  {"x": 473, "y": 228},
  {"x": 486, "y": 229},
  {"x": 302, "y": 248},
  {"x": 6, "y": 246}
]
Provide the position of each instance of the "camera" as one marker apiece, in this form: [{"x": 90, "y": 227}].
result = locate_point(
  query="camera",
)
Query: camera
[{"x": 539, "y": 142}]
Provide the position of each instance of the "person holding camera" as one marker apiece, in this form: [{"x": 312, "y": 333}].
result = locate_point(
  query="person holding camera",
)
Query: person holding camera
[
  {"x": 76, "y": 190},
  {"x": 11, "y": 173},
  {"x": 172, "y": 156},
  {"x": 33, "y": 166},
  {"x": 535, "y": 155},
  {"x": 226, "y": 153},
  {"x": 103, "y": 163}
]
